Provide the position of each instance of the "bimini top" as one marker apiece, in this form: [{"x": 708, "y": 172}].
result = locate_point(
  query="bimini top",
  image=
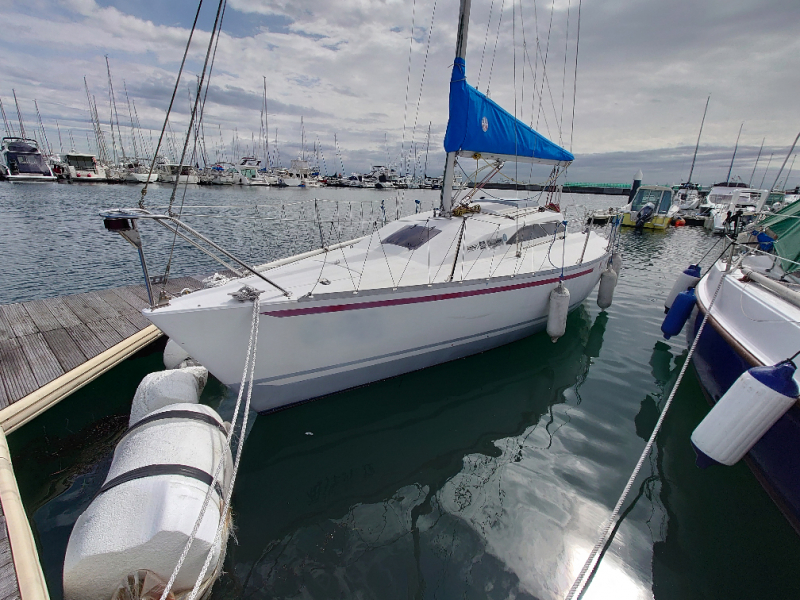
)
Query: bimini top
[{"x": 478, "y": 127}]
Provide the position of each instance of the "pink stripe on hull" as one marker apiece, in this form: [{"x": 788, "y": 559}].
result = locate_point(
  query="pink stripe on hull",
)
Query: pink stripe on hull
[{"x": 297, "y": 312}]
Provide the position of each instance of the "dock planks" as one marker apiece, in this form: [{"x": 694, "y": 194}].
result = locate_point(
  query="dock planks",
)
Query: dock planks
[
  {"x": 9, "y": 587},
  {"x": 42, "y": 340}
]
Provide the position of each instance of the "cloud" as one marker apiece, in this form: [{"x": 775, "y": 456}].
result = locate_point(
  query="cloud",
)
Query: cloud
[{"x": 644, "y": 72}]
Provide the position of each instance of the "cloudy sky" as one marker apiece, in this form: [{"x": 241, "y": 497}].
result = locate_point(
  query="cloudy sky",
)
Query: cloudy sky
[{"x": 375, "y": 73}]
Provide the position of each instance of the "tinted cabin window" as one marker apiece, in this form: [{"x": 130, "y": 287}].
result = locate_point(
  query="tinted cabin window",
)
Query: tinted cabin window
[
  {"x": 533, "y": 232},
  {"x": 412, "y": 236},
  {"x": 666, "y": 202},
  {"x": 27, "y": 163}
]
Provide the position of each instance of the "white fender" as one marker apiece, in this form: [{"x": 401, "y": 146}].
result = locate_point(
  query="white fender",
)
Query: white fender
[
  {"x": 176, "y": 357},
  {"x": 605, "y": 293},
  {"x": 688, "y": 278},
  {"x": 616, "y": 262},
  {"x": 163, "y": 388},
  {"x": 557, "y": 313},
  {"x": 746, "y": 412},
  {"x": 143, "y": 523}
]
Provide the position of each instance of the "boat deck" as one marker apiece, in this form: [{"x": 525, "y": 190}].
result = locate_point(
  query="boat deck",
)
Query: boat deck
[{"x": 51, "y": 347}]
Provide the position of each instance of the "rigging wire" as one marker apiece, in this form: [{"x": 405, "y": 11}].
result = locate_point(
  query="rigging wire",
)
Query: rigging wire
[
  {"x": 215, "y": 35},
  {"x": 575, "y": 77},
  {"x": 171, "y": 102},
  {"x": 424, "y": 70},
  {"x": 544, "y": 61},
  {"x": 485, "y": 40},
  {"x": 408, "y": 78},
  {"x": 494, "y": 52}
]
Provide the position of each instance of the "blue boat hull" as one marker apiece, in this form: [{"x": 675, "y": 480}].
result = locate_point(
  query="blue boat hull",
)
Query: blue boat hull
[{"x": 775, "y": 459}]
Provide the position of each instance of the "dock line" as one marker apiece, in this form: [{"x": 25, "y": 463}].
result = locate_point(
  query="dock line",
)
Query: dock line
[
  {"x": 27, "y": 408},
  {"x": 32, "y": 585}
]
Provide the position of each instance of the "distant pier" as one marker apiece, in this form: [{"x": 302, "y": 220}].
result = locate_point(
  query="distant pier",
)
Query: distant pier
[{"x": 612, "y": 189}]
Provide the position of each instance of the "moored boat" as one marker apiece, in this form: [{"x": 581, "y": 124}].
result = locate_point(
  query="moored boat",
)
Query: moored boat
[
  {"x": 650, "y": 208},
  {"x": 82, "y": 167},
  {"x": 170, "y": 174},
  {"x": 21, "y": 160},
  {"x": 755, "y": 322},
  {"x": 422, "y": 290}
]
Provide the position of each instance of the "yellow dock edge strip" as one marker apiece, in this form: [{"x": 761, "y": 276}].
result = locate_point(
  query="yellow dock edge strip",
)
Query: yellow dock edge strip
[
  {"x": 30, "y": 577},
  {"x": 23, "y": 410}
]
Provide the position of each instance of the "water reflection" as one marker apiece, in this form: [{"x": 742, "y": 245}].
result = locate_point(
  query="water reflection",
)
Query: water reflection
[{"x": 437, "y": 480}]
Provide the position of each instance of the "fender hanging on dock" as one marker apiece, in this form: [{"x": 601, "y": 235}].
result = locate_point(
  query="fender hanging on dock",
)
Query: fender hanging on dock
[{"x": 136, "y": 527}]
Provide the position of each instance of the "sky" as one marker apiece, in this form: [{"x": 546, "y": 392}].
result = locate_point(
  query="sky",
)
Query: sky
[{"x": 375, "y": 75}]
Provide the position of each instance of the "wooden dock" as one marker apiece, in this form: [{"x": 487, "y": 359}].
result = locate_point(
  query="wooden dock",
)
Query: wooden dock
[
  {"x": 48, "y": 349},
  {"x": 51, "y": 347}
]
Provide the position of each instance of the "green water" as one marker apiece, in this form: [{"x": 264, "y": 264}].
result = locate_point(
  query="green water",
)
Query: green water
[{"x": 487, "y": 477}]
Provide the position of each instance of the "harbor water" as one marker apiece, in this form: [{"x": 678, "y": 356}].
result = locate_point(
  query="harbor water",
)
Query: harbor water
[{"x": 486, "y": 477}]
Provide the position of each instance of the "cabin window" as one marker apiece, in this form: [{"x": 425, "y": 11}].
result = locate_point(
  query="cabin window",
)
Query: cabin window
[
  {"x": 645, "y": 196},
  {"x": 19, "y": 162},
  {"x": 533, "y": 232},
  {"x": 81, "y": 163},
  {"x": 666, "y": 201},
  {"x": 412, "y": 236}
]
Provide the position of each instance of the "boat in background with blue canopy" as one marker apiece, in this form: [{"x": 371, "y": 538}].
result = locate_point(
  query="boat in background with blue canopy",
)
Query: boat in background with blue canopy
[{"x": 480, "y": 128}]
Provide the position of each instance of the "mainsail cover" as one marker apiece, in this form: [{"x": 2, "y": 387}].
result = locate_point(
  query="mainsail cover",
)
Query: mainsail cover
[{"x": 480, "y": 127}]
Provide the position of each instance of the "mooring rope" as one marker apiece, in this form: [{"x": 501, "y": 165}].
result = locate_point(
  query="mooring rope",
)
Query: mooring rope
[
  {"x": 580, "y": 581},
  {"x": 247, "y": 382}
]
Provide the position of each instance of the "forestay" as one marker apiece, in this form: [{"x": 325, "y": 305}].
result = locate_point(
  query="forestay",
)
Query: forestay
[{"x": 479, "y": 128}]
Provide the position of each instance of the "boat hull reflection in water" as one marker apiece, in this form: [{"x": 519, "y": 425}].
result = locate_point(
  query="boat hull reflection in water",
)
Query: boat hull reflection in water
[{"x": 425, "y": 485}]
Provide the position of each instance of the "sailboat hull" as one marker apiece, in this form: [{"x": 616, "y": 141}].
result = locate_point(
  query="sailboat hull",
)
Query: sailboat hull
[{"x": 312, "y": 348}]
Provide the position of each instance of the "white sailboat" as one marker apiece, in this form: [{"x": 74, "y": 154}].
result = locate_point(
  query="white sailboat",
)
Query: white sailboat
[{"x": 422, "y": 290}]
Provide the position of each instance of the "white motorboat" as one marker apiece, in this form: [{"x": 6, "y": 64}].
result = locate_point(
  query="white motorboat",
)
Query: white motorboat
[
  {"x": 422, "y": 290},
  {"x": 20, "y": 160},
  {"x": 299, "y": 174},
  {"x": 687, "y": 197},
  {"x": 729, "y": 198},
  {"x": 248, "y": 172},
  {"x": 82, "y": 167},
  {"x": 170, "y": 173}
]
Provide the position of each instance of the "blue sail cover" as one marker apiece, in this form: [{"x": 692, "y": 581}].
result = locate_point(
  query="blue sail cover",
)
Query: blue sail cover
[{"x": 479, "y": 126}]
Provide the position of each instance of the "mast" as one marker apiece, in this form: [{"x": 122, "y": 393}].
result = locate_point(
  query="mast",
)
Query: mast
[
  {"x": 450, "y": 163},
  {"x": 427, "y": 147},
  {"x": 266, "y": 125},
  {"x": 19, "y": 115},
  {"x": 755, "y": 166},
  {"x": 786, "y": 179},
  {"x": 694, "y": 158},
  {"x": 114, "y": 106},
  {"x": 130, "y": 115},
  {"x": 47, "y": 146},
  {"x": 785, "y": 160},
  {"x": 766, "y": 170},
  {"x": 734, "y": 153},
  {"x": 9, "y": 130},
  {"x": 303, "y": 137},
  {"x": 60, "y": 143},
  {"x": 277, "y": 150}
]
